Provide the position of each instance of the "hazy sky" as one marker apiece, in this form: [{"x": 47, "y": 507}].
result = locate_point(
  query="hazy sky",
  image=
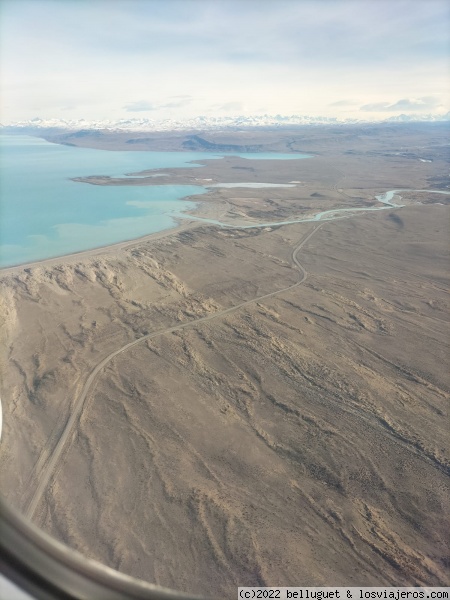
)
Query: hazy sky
[{"x": 109, "y": 59}]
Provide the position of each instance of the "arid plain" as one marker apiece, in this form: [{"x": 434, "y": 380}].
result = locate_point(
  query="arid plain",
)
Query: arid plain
[{"x": 298, "y": 436}]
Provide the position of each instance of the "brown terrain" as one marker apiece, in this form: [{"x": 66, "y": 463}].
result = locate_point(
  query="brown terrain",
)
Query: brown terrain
[{"x": 213, "y": 407}]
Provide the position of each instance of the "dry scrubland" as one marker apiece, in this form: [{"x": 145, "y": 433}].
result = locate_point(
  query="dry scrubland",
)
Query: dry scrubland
[{"x": 299, "y": 440}]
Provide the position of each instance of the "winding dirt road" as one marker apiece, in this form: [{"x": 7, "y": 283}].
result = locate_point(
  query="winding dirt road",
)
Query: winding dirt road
[{"x": 74, "y": 417}]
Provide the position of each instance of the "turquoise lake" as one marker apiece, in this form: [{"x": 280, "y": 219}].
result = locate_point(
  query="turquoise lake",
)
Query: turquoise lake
[{"x": 43, "y": 214}]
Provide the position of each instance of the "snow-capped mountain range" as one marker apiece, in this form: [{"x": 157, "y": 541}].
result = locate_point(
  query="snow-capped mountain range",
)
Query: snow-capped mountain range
[{"x": 203, "y": 122}]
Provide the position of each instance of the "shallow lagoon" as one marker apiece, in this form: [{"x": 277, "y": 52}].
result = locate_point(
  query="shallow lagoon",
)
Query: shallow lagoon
[{"x": 43, "y": 213}]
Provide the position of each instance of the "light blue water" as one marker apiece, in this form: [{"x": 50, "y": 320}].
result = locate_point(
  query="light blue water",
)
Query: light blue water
[{"x": 43, "y": 213}]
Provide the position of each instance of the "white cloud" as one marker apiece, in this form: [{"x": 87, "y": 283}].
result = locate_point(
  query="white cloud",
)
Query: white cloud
[
  {"x": 340, "y": 103},
  {"x": 144, "y": 106},
  {"x": 140, "y": 106},
  {"x": 105, "y": 58},
  {"x": 425, "y": 103},
  {"x": 229, "y": 107}
]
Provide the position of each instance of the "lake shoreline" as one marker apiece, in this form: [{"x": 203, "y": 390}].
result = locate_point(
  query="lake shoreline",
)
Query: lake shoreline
[
  {"x": 73, "y": 219},
  {"x": 221, "y": 202},
  {"x": 374, "y": 291},
  {"x": 219, "y": 378},
  {"x": 180, "y": 224}
]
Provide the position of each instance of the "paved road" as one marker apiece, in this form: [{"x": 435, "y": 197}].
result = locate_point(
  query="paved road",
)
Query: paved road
[{"x": 74, "y": 418}]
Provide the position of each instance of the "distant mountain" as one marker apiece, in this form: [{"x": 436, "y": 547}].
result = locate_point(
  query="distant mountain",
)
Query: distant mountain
[
  {"x": 204, "y": 123},
  {"x": 414, "y": 118}
]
